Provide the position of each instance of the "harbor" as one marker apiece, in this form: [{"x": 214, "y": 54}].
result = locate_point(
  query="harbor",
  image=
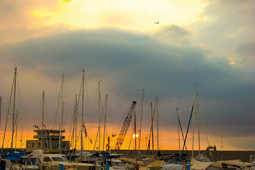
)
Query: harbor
[
  {"x": 243, "y": 156},
  {"x": 49, "y": 147},
  {"x": 127, "y": 85}
]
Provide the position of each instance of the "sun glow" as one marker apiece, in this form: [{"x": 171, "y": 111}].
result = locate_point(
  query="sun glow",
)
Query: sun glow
[
  {"x": 133, "y": 15},
  {"x": 135, "y": 135}
]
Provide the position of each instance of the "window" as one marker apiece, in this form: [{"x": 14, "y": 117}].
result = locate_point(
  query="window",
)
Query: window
[
  {"x": 33, "y": 145},
  {"x": 28, "y": 145},
  {"x": 39, "y": 145},
  {"x": 46, "y": 159},
  {"x": 59, "y": 159}
]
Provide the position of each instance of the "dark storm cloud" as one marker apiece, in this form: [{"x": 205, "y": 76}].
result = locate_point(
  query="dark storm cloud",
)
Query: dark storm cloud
[{"x": 141, "y": 61}]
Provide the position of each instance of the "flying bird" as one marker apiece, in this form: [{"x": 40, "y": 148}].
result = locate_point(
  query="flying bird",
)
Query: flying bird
[{"x": 157, "y": 22}]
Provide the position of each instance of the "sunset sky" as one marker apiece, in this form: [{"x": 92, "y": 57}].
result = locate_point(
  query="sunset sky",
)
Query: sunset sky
[{"x": 207, "y": 43}]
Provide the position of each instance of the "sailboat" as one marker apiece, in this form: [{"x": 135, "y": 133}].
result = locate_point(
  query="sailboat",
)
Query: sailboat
[{"x": 12, "y": 155}]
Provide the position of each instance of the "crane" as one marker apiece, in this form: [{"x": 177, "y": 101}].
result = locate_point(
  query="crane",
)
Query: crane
[{"x": 125, "y": 126}]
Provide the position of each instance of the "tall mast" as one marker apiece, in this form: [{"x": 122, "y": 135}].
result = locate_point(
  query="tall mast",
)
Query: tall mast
[
  {"x": 16, "y": 132},
  {"x": 21, "y": 138},
  {"x": 105, "y": 120},
  {"x": 179, "y": 141},
  {"x": 0, "y": 109},
  {"x": 198, "y": 126},
  {"x": 157, "y": 126},
  {"x": 140, "y": 125},
  {"x": 62, "y": 112},
  {"x": 13, "y": 111},
  {"x": 99, "y": 114},
  {"x": 135, "y": 131},
  {"x": 193, "y": 106},
  {"x": 42, "y": 118},
  {"x": 152, "y": 135},
  {"x": 75, "y": 116},
  {"x": 75, "y": 123},
  {"x": 12, "y": 89},
  {"x": 82, "y": 110}
]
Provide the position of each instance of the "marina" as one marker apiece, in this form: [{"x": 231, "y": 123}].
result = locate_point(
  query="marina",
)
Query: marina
[
  {"x": 127, "y": 85},
  {"x": 49, "y": 148}
]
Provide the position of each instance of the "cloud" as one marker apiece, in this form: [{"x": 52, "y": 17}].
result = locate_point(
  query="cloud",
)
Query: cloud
[
  {"x": 173, "y": 34},
  {"x": 246, "y": 50},
  {"x": 225, "y": 29},
  {"x": 19, "y": 22},
  {"x": 121, "y": 59}
]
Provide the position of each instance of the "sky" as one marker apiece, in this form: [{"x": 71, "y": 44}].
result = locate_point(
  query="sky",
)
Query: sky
[{"x": 163, "y": 47}]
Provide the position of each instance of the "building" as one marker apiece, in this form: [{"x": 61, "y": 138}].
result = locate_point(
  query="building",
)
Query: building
[{"x": 47, "y": 140}]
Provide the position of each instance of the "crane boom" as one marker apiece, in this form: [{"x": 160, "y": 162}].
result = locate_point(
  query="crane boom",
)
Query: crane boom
[{"x": 125, "y": 126}]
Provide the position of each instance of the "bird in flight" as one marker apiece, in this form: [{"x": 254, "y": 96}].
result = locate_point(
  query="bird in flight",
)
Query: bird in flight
[{"x": 157, "y": 22}]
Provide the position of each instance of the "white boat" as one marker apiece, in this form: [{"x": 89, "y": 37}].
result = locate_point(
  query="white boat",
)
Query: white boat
[
  {"x": 234, "y": 164},
  {"x": 173, "y": 167},
  {"x": 117, "y": 164},
  {"x": 38, "y": 159},
  {"x": 29, "y": 162}
]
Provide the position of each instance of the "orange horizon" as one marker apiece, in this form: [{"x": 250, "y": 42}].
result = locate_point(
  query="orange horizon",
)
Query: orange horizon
[{"x": 166, "y": 142}]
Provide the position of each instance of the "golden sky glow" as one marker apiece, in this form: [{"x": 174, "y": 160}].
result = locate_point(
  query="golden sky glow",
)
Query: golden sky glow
[
  {"x": 131, "y": 15},
  {"x": 165, "y": 142}
]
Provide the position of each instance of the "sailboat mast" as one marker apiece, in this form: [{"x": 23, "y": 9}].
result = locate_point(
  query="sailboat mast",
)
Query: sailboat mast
[
  {"x": 135, "y": 131},
  {"x": 157, "y": 126},
  {"x": 99, "y": 114},
  {"x": 0, "y": 110},
  {"x": 13, "y": 111},
  {"x": 8, "y": 111},
  {"x": 21, "y": 138},
  {"x": 82, "y": 112},
  {"x": 16, "y": 132},
  {"x": 179, "y": 141},
  {"x": 75, "y": 121},
  {"x": 194, "y": 99},
  {"x": 140, "y": 125},
  {"x": 152, "y": 135},
  {"x": 62, "y": 112},
  {"x": 198, "y": 126},
  {"x": 42, "y": 118},
  {"x": 105, "y": 121}
]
